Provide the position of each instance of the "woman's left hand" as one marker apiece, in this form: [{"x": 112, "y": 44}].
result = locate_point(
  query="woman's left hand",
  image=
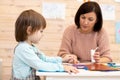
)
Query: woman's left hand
[{"x": 97, "y": 56}]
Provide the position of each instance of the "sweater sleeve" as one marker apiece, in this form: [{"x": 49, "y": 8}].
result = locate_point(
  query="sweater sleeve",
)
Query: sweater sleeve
[
  {"x": 103, "y": 44},
  {"x": 66, "y": 47},
  {"x": 28, "y": 56},
  {"x": 49, "y": 59}
]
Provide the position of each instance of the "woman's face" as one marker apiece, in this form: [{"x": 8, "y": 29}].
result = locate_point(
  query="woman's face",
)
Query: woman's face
[{"x": 87, "y": 22}]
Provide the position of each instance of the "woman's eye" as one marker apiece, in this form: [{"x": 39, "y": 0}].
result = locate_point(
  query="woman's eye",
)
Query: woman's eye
[
  {"x": 83, "y": 17},
  {"x": 91, "y": 19}
]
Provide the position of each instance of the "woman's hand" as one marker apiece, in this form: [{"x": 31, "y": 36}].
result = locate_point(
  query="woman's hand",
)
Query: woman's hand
[
  {"x": 100, "y": 59},
  {"x": 97, "y": 56},
  {"x": 70, "y": 58},
  {"x": 70, "y": 69}
]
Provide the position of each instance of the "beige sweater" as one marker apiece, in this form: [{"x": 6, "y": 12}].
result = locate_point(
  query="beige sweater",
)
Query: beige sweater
[{"x": 80, "y": 44}]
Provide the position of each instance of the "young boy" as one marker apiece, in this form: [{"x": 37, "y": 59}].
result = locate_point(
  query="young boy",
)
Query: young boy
[{"x": 27, "y": 59}]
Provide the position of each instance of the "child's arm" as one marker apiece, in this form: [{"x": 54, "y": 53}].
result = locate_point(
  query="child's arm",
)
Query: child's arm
[
  {"x": 28, "y": 57},
  {"x": 50, "y": 59}
]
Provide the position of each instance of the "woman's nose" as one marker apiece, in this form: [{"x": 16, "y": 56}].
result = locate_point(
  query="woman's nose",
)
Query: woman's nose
[{"x": 86, "y": 22}]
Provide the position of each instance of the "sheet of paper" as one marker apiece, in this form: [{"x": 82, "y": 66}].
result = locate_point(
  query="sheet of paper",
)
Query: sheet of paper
[
  {"x": 108, "y": 11},
  {"x": 80, "y": 0},
  {"x": 118, "y": 32},
  {"x": 117, "y": 0},
  {"x": 85, "y": 0},
  {"x": 54, "y": 10}
]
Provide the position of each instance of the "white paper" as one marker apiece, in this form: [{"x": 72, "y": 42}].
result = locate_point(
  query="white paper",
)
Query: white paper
[
  {"x": 80, "y": 0},
  {"x": 108, "y": 12},
  {"x": 54, "y": 10},
  {"x": 85, "y": 0},
  {"x": 117, "y": 0}
]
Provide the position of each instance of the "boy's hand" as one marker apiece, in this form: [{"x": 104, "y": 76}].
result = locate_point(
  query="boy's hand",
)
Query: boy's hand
[{"x": 70, "y": 69}]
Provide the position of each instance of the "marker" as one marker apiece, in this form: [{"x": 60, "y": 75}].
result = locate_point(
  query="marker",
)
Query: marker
[
  {"x": 111, "y": 64},
  {"x": 92, "y": 51}
]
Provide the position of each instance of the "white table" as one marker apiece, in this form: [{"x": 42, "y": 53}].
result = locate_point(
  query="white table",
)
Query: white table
[{"x": 82, "y": 75}]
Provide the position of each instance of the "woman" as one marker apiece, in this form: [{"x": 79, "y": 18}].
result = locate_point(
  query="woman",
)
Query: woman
[{"x": 86, "y": 34}]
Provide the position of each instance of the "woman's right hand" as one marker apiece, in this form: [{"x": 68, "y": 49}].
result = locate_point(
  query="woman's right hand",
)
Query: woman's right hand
[
  {"x": 71, "y": 58},
  {"x": 70, "y": 69}
]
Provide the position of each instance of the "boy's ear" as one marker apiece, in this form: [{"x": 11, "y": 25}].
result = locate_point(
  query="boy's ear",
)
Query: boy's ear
[{"x": 29, "y": 30}]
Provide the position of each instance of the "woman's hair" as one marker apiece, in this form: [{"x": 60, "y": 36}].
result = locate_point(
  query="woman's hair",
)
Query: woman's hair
[
  {"x": 28, "y": 18},
  {"x": 90, "y": 7}
]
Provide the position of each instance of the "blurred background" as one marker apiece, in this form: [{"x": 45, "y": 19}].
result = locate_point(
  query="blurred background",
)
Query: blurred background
[{"x": 59, "y": 14}]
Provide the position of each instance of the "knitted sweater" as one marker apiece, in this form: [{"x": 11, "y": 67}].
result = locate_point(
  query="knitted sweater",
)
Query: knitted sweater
[{"x": 80, "y": 44}]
